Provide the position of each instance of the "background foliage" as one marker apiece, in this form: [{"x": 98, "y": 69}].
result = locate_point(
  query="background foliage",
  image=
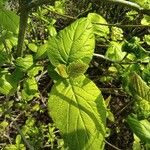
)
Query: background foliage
[{"x": 119, "y": 46}]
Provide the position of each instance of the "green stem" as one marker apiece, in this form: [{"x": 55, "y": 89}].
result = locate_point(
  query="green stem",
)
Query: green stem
[
  {"x": 22, "y": 27},
  {"x": 119, "y": 62},
  {"x": 131, "y": 5},
  {"x": 24, "y": 9},
  {"x": 124, "y": 25}
]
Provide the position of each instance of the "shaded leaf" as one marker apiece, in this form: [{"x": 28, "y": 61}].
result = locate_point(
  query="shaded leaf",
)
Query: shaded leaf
[
  {"x": 9, "y": 20},
  {"x": 41, "y": 51},
  {"x": 30, "y": 89},
  {"x": 140, "y": 128}
]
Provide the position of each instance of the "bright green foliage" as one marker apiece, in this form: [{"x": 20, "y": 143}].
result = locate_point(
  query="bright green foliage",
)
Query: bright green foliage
[
  {"x": 140, "y": 128},
  {"x": 77, "y": 68},
  {"x": 77, "y": 108},
  {"x": 114, "y": 51},
  {"x": 144, "y": 3},
  {"x": 147, "y": 39},
  {"x": 96, "y": 20},
  {"x": 116, "y": 33},
  {"x": 30, "y": 89},
  {"x": 75, "y": 103},
  {"x": 7, "y": 83},
  {"x": 146, "y": 20},
  {"x": 9, "y": 20},
  {"x": 33, "y": 47},
  {"x": 34, "y": 70},
  {"x": 74, "y": 69},
  {"x": 41, "y": 51},
  {"x": 61, "y": 69},
  {"x": 136, "y": 143},
  {"x": 73, "y": 43},
  {"x": 24, "y": 63}
]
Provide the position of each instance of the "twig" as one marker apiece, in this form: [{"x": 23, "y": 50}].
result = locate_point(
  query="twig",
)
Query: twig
[
  {"x": 124, "y": 108},
  {"x": 131, "y": 5},
  {"x": 112, "y": 145},
  {"x": 124, "y": 25},
  {"x": 119, "y": 62}
]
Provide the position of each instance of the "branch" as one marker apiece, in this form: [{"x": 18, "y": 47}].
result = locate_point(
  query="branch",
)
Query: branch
[
  {"x": 24, "y": 10},
  {"x": 119, "y": 62},
  {"x": 124, "y": 25},
  {"x": 131, "y": 5}
]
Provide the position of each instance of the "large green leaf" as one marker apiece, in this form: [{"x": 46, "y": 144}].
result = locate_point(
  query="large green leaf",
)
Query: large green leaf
[
  {"x": 140, "y": 128},
  {"x": 96, "y": 20},
  {"x": 9, "y": 20},
  {"x": 73, "y": 43},
  {"x": 77, "y": 108}
]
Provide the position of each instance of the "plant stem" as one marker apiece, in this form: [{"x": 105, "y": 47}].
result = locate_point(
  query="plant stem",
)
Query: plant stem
[
  {"x": 119, "y": 62},
  {"x": 22, "y": 27},
  {"x": 131, "y": 5},
  {"x": 125, "y": 26},
  {"x": 24, "y": 9},
  {"x": 112, "y": 145}
]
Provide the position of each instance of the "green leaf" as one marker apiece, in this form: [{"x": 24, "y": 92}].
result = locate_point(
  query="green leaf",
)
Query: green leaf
[
  {"x": 116, "y": 34},
  {"x": 3, "y": 57},
  {"x": 141, "y": 92},
  {"x": 134, "y": 46},
  {"x": 139, "y": 87},
  {"x": 30, "y": 89},
  {"x": 33, "y": 47},
  {"x": 114, "y": 51},
  {"x": 143, "y": 3},
  {"x": 53, "y": 74},
  {"x": 72, "y": 43},
  {"x": 77, "y": 68},
  {"x": 78, "y": 110},
  {"x": 9, "y": 20},
  {"x": 145, "y": 20},
  {"x": 7, "y": 84},
  {"x": 62, "y": 70},
  {"x": 41, "y": 51},
  {"x": 34, "y": 71},
  {"x": 147, "y": 39},
  {"x": 140, "y": 128},
  {"x": 24, "y": 63},
  {"x": 96, "y": 20}
]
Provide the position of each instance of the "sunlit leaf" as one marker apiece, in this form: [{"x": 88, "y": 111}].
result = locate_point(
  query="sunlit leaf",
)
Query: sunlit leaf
[
  {"x": 77, "y": 108},
  {"x": 72, "y": 43},
  {"x": 96, "y": 20},
  {"x": 114, "y": 51}
]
